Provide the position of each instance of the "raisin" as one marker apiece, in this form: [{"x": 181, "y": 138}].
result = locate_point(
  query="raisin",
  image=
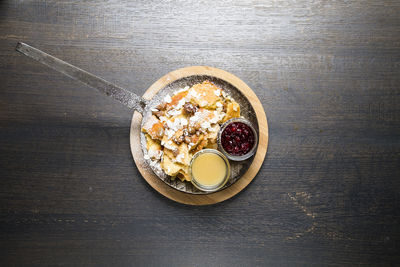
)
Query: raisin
[
  {"x": 189, "y": 109},
  {"x": 158, "y": 113},
  {"x": 162, "y": 106},
  {"x": 191, "y": 130},
  {"x": 187, "y": 139},
  {"x": 178, "y": 140}
]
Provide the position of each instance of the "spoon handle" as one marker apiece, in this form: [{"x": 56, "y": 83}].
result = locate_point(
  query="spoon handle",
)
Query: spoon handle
[{"x": 124, "y": 96}]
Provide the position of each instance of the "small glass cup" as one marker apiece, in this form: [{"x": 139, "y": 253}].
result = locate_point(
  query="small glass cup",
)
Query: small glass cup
[
  {"x": 217, "y": 186},
  {"x": 241, "y": 157}
]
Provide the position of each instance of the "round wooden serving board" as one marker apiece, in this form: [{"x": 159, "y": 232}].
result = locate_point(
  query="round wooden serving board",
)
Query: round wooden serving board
[{"x": 202, "y": 199}]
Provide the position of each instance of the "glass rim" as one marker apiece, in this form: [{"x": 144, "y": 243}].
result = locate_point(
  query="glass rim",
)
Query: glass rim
[{"x": 252, "y": 150}]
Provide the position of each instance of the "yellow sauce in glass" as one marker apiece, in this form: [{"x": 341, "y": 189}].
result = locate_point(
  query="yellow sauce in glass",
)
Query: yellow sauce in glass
[{"x": 209, "y": 169}]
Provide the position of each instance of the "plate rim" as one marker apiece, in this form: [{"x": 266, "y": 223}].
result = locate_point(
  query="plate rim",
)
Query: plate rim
[{"x": 200, "y": 199}]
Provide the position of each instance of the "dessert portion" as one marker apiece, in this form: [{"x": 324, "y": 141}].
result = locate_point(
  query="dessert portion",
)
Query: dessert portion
[
  {"x": 237, "y": 138},
  {"x": 186, "y": 122},
  {"x": 210, "y": 170}
]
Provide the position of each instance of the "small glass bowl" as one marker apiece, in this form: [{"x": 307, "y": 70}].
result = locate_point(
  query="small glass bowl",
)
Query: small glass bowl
[
  {"x": 218, "y": 186},
  {"x": 248, "y": 154}
]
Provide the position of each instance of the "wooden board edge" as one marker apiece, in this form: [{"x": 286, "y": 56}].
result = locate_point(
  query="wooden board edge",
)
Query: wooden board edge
[{"x": 191, "y": 199}]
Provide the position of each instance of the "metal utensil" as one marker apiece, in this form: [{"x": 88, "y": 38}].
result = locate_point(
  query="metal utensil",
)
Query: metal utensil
[
  {"x": 122, "y": 95},
  {"x": 144, "y": 106}
]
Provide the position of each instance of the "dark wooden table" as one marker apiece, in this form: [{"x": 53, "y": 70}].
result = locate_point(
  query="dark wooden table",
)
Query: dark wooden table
[{"x": 327, "y": 73}]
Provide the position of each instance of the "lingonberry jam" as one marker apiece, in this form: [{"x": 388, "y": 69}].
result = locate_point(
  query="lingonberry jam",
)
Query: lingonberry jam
[{"x": 237, "y": 139}]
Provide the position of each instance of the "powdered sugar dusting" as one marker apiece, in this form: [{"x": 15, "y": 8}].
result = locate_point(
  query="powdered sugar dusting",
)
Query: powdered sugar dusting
[
  {"x": 167, "y": 99},
  {"x": 238, "y": 168}
]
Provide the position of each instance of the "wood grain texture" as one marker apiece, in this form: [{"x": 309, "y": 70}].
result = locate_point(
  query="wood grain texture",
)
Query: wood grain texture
[
  {"x": 326, "y": 72},
  {"x": 221, "y": 195}
]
